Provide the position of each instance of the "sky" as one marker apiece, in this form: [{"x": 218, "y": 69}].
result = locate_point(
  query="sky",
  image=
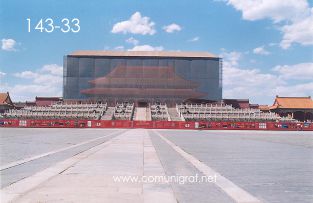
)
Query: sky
[{"x": 266, "y": 45}]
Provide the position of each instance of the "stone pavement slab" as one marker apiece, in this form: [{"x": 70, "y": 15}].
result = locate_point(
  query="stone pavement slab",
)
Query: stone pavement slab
[
  {"x": 273, "y": 166},
  {"x": 91, "y": 179}
]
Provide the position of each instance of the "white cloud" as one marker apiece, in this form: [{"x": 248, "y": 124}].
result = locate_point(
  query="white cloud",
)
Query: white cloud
[
  {"x": 302, "y": 89},
  {"x": 46, "y": 81},
  {"x": 231, "y": 58},
  {"x": 261, "y": 87},
  {"x": 293, "y": 17},
  {"x": 194, "y": 39},
  {"x": 26, "y": 75},
  {"x": 2, "y": 74},
  {"x": 42, "y": 76},
  {"x": 135, "y": 25},
  {"x": 28, "y": 92},
  {"x": 53, "y": 69},
  {"x": 301, "y": 71},
  {"x": 132, "y": 40},
  {"x": 8, "y": 44},
  {"x": 245, "y": 83},
  {"x": 146, "y": 47},
  {"x": 261, "y": 51},
  {"x": 298, "y": 32},
  {"x": 276, "y": 10},
  {"x": 172, "y": 28},
  {"x": 272, "y": 44},
  {"x": 119, "y": 48}
]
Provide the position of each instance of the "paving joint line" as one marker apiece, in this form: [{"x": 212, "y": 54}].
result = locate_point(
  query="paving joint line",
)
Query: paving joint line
[
  {"x": 232, "y": 190},
  {"x": 20, "y": 188},
  {"x": 26, "y": 160}
]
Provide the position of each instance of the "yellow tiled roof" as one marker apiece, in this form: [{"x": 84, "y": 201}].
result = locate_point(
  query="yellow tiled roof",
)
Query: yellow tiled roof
[
  {"x": 293, "y": 103},
  {"x": 264, "y": 107},
  {"x": 5, "y": 99}
]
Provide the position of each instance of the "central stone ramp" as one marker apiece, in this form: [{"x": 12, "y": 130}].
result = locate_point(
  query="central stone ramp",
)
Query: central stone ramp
[
  {"x": 108, "y": 115},
  {"x": 94, "y": 179},
  {"x": 174, "y": 114},
  {"x": 141, "y": 114}
]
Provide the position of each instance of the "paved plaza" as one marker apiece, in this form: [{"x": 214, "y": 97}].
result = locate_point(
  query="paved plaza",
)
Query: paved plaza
[{"x": 140, "y": 165}]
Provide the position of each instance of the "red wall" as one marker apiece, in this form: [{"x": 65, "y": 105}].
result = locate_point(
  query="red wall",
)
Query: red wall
[{"x": 154, "y": 124}]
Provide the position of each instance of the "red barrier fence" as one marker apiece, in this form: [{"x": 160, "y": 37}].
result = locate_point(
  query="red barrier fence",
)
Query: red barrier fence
[{"x": 204, "y": 125}]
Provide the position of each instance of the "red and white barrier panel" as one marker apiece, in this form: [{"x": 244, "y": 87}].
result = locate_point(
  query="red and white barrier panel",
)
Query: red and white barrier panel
[{"x": 204, "y": 125}]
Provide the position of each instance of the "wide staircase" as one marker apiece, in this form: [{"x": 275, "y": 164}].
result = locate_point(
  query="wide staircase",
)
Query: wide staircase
[
  {"x": 148, "y": 117},
  {"x": 140, "y": 114},
  {"x": 108, "y": 115},
  {"x": 174, "y": 116}
]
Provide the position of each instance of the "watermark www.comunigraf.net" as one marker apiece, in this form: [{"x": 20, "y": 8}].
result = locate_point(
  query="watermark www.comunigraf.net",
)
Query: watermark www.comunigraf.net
[{"x": 166, "y": 179}]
